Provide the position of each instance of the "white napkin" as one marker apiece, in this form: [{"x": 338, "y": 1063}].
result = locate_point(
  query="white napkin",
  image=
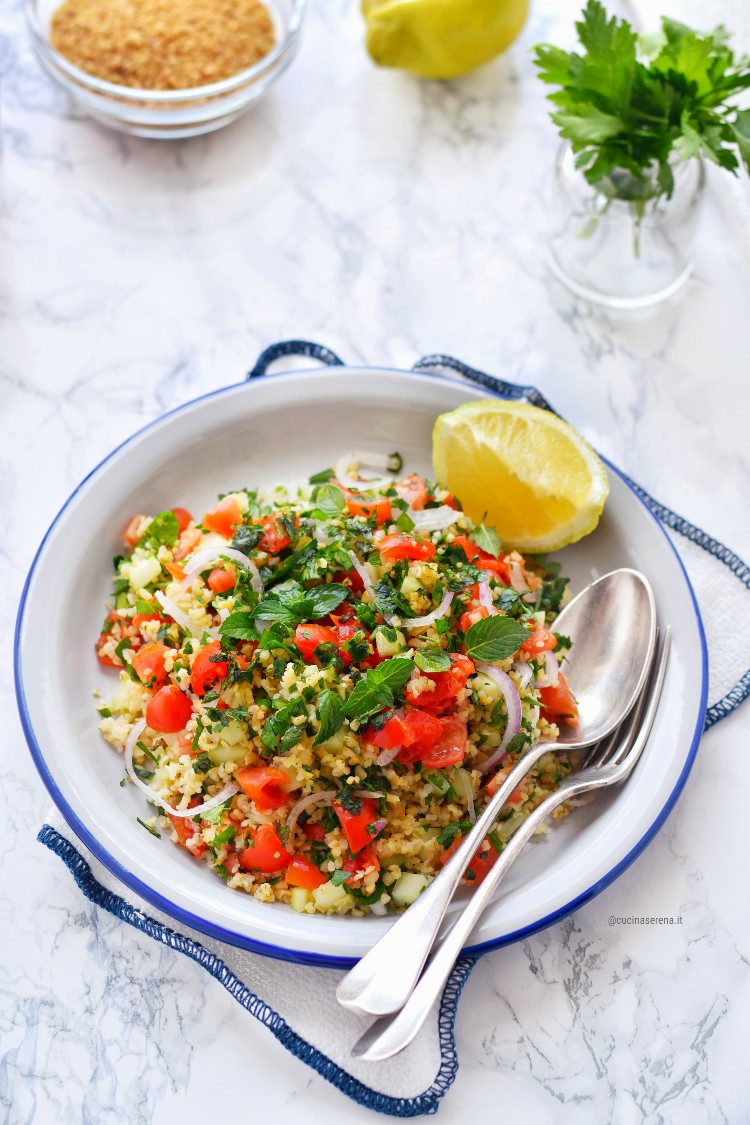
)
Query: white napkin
[{"x": 297, "y": 1002}]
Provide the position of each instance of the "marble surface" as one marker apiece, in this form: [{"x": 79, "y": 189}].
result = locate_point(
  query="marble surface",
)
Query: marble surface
[{"x": 386, "y": 218}]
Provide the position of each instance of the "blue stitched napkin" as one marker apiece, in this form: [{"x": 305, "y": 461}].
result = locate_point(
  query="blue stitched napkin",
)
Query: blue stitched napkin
[{"x": 297, "y": 1004}]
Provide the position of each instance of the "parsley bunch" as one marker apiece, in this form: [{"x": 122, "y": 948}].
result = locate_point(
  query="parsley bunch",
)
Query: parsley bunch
[{"x": 626, "y": 117}]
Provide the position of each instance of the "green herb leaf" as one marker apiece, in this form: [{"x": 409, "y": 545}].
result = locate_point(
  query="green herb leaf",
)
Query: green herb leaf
[
  {"x": 163, "y": 529},
  {"x": 375, "y": 691},
  {"x": 246, "y": 539},
  {"x": 239, "y": 626},
  {"x": 495, "y": 638},
  {"x": 149, "y": 828},
  {"x": 331, "y": 714},
  {"x": 487, "y": 539},
  {"x": 432, "y": 660},
  {"x": 338, "y": 878},
  {"x": 328, "y": 500}
]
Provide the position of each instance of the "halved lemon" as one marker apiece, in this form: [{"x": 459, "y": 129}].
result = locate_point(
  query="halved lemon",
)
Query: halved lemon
[{"x": 521, "y": 470}]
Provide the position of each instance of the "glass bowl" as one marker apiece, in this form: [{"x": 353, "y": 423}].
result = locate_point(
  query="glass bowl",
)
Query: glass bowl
[{"x": 169, "y": 113}]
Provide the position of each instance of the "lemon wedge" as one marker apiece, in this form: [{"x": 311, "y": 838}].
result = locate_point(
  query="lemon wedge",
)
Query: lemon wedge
[{"x": 522, "y": 470}]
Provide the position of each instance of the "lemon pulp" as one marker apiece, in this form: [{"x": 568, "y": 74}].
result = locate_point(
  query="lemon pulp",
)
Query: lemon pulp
[{"x": 522, "y": 470}]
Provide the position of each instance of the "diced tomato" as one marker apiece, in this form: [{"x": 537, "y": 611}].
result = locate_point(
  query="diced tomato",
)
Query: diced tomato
[
  {"x": 220, "y": 580},
  {"x": 308, "y": 637},
  {"x": 139, "y": 618},
  {"x": 541, "y": 640},
  {"x": 206, "y": 671},
  {"x": 354, "y": 578},
  {"x": 367, "y": 860},
  {"x": 379, "y": 506},
  {"x": 183, "y": 518},
  {"x": 175, "y": 570},
  {"x": 451, "y": 746},
  {"x": 472, "y": 616},
  {"x": 497, "y": 566},
  {"x": 447, "y": 686},
  {"x": 558, "y": 702},
  {"x": 223, "y": 517},
  {"x": 346, "y": 633},
  {"x": 189, "y": 834},
  {"x": 517, "y": 797},
  {"x": 265, "y": 852},
  {"x": 314, "y": 831},
  {"x": 301, "y": 872},
  {"x": 130, "y": 534},
  {"x": 169, "y": 710},
  {"x": 415, "y": 732},
  {"x": 450, "y": 502},
  {"x": 481, "y": 862},
  {"x": 355, "y": 825},
  {"x": 116, "y": 628},
  {"x": 344, "y": 613},
  {"x": 403, "y": 546},
  {"x": 275, "y": 536},
  {"x": 413, "y": 490},
  {"x": 265, "y": 785},
  {"x": 187, "y": 543},
  {"x": 148, "y": 663}
]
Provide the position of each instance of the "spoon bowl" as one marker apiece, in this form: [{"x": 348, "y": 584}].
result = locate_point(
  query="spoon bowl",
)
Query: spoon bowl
[{"x": 612, "y": 625}]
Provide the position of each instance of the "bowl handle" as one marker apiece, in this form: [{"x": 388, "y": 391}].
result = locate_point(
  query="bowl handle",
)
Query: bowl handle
[{"x": 293, "y": 347}]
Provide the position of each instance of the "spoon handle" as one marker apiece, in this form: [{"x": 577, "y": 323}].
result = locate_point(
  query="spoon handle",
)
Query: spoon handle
[
  {"x": 390, "y": 1034},
  {"x": 382, "y": 980}
]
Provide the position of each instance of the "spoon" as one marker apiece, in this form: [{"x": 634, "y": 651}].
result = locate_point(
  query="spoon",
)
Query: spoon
[{"x": 612, "y": 626}]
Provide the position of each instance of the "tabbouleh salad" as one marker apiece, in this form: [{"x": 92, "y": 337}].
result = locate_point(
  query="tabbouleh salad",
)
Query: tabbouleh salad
[{"x": 319, "y": 686}]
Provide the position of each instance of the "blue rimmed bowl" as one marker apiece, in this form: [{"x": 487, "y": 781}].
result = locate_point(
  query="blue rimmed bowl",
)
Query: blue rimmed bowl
[{"x": 280, "y": 429}]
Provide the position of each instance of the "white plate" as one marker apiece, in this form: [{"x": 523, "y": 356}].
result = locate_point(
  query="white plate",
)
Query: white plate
[{"x": 282, "y": 429}]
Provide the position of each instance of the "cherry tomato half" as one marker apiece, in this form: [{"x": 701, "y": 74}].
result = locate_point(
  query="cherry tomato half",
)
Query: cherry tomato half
[
  {"x": 169, "y": 710},
  {"x": 265, "y": 785},
  {"x": 148, "y": 663},
  {"x": 265, "y": 851}
]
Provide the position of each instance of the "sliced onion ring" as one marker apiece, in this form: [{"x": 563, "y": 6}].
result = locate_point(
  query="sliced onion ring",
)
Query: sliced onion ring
[
  {"x": 442, "y": 609},
  {"x": 433, "y": 519},
  {"x": 485, "y": 597},
  {"x": 512, "y": 706},
  {"x": 206, "y": 558},
  {"x": 229, "y": 789},
  {"x": 517, "y": 580},
  {"x": 368, "y": 461},
  {"x": 306, "y": 802},
  {"x": 181, "y": 617},
  {"x": 385, "y": 757},
  {"x": 551, "y": 671},
  {"x": 525, "y": 673}
]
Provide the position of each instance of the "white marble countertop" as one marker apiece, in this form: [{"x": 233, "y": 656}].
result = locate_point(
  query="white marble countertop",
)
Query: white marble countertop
[{"x": 387, "y": 219}]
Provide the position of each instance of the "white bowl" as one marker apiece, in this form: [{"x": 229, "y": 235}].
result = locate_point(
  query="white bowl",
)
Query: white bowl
[{"x": 282, "y": 429}]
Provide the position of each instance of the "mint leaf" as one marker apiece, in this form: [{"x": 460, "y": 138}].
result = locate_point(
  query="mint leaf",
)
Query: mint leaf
[
  {"x": 239, "y": 626},
  {"x": 487, "y": 539},
  {"x": 331, "y": 714},
  {"x": 374, "y": 692},
  {"x": 328, "y": 500},
  {"x": 495, "y": 638},
  {"x": 293, "y": 605},
  {"x": 432, "y": 660}
]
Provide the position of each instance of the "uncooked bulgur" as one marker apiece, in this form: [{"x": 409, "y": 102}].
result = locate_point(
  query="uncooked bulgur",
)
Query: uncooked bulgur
[{"x": 162, "y": 44}]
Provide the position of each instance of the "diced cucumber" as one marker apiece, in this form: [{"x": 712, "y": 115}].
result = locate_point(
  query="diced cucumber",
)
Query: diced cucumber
[
  {"x": 122, "y": 602},
  {"x": 222, "y": 754},
  {"x": 408, "y": 888},
  {"x": 390, "y": 648},
  {"x": 331, "y": 897},
  {"x": 145, "y": 571},
  {"x": 299, "y": 899}
]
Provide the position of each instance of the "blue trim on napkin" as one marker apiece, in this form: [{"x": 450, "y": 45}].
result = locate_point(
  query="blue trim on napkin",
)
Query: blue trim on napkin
[{"x": 424, "y": 1103}]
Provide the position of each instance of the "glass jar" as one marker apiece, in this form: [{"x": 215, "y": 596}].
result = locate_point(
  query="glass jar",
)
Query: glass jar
[{"x": 618, "y": 244}]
